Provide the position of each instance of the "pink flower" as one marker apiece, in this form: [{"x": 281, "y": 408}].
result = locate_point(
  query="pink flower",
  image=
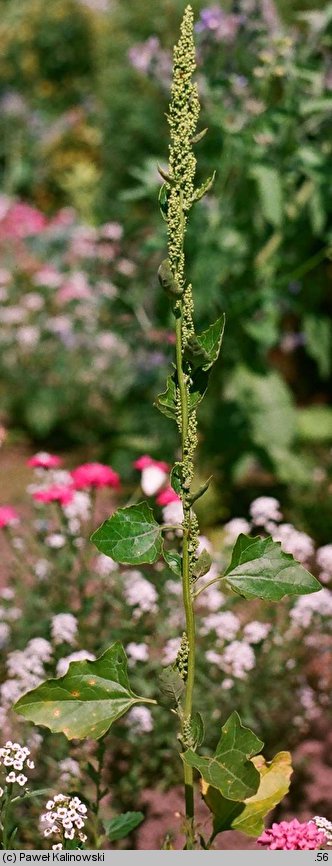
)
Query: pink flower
[
  {"x": 56, "y": 493},
  {"x": 22, "y": 220},
  {"x": 293, "y": 836},
  {"x": 8, "y": 516},
  {"x": 166, "y": 496},
  {"x": 43, "y": 460},
  {"x": 95, "y": 475},
  {"x": 146, "y": 461}
]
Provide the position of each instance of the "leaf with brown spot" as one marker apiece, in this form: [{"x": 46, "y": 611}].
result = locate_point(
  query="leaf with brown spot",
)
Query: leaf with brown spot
[{"x": 86, "y": 700}]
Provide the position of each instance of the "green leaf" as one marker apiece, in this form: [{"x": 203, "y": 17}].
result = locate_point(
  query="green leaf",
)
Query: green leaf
[
  {"x": 196, "y": 494},
  {"x": 200, "y": 380},
  {"x": 166, "y": 402},
  {"x": 86, "y": 700},
  {"x": 130, "y": 536},
  {"x": 270, "y": 192},
  {"x": 174, "y": 561},
  {"x": 203, "y": 564},
  {"x": 230, "y": 770},
  {"x": 259, "y": 568},
  {"x": 177, "y": 477},
  {"x": 163, "y": 200},
  {"x": 274, "y": 785},
  {"x": 315, "y": 424},
  {"x": 204, "y": 188},
  {"x": 210, "y": 342},
  {"x": 118, "y": 828},
  {"x": 197, "y": 729},
  {"x": 171, "y": 684},
  {"x": 318, "y": 336},
  {"x": 248, "y": 816}
]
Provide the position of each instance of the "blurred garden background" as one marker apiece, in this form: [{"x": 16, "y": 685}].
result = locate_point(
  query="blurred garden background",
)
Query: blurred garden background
[{"x": 86, "y": 335}]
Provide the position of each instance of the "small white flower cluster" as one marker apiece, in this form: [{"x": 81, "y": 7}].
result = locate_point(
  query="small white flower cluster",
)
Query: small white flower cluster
[
  {"x": 79, "y": 656},
  {"x": 137, "y": 652},
  {"x": 65, "y": 818},
  {"x": 326, "y": 826},
  {"x": 139, "y": 593},
  {"x": 225, "y": 624},
  {"x": 306, "y": 606},
  {"x": 173, "y": 513},
  {"x": 69, "y": 771},
  {"x": 104, "y": 565},
  {"x": 64, "y": 628},
  {"x": 140, "y": 719},
  {"x": 264, "y": 509},
  {"x": 324, "y": 561},
  {"x": 25, "y": 669},
  {"x": 299, "y": 544},
  {"x": 15, "y": 758}
]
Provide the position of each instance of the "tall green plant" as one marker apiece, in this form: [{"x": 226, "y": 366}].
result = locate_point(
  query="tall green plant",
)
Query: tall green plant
[{"x": 239, "y": 787}]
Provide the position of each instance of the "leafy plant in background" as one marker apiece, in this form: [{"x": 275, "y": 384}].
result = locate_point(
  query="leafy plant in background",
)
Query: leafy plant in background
[{"x": 238, "y": 786}]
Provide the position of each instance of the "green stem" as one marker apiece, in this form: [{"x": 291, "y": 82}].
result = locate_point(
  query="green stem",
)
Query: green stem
[
  {"x": 210, "y": 583},
  {"x": 186, "y": 589}
]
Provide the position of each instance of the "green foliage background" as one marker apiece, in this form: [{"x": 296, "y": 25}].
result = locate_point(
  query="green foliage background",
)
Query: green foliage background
[{"x": 90, "y": 132}]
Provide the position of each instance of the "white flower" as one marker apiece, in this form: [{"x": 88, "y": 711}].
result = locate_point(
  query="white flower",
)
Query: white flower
[
  {"x": 79, "y": 656},
  {"x": 307, "y": 606},
  {"x": 238, "y": 658},
  {"x": 234, "y": 528},
  {"x": 21, "y": 779},
  {"x": 104, "y": 565},
  {"x": 265, "y": 508},
  {"x": 64, "y": 628},
  {"x": 138, "y": 652},
  {"x": 69, "y": 770},
  {"x": 326, "y": 826},
  {"x": 256, "y": 631},
  {"x": 213, "y": 657},
  {"x": 42, "y": 568},
  {"x": 173, "y": 513},
  {"x": 292, "y": 541},
  {"x": 152, "y": 479},
  {"x": 11, "y": 778},
  {"x": 55, "y": 540},
  {"x": 225, "y": 624},
  {"x": 171, "y": 650},
  {"x": 79, "y": 507},
  {"x": 141, "y": 719},
  {"x": 1, "y": 792},
  {"x": 139, "y": 593},
  {"x": 324, "y": 561},
  {"x": 4, "y": 634},
  {"x": 63, "y": 820},
  {"x": 28, "y": 335}
]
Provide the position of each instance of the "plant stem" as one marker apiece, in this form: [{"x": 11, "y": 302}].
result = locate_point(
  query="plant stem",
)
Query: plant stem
[{"x": 186, "y": 588}]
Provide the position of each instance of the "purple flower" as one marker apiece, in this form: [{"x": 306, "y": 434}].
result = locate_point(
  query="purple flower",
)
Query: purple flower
[
  {"x": 223, "y": 26},
  {"x": 293, "y": 836}
]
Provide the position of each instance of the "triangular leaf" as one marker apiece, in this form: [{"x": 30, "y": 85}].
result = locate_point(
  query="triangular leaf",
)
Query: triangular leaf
[
  {"x": 197, "y": 729},
  {"x": 202, "y": 564},
  {"x": 248, "y": 816},
  {"x": 86, "y": 700},
  {"x": 210, "y": 341},
  {"x": 204, "y": 188},
  {"x": 166, "y": 402},
  {"x": 230, "y": 770},
  {"x": 174, "y": 561},
  {"x": 259, "y": 568},
  {"x": 177, "y": 477},
  {"x": 118, "y": 828},
  {"x": 171, "y": 684},
  {"x": 130, "y": 536}
]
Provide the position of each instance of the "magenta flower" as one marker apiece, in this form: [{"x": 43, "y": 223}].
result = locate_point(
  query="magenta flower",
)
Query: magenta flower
[
  {"x": 146, "y": 461},
  {"x": 56, "y": 493},
  {"x": 95, "y": 475},
  {"x": 166, "y": 496},
  {"x": 8, "y": 516},
  {"x": 43, "y": 460},
  {"x": 293, "y": 836},
  {"x": 22, "y": 220}
]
